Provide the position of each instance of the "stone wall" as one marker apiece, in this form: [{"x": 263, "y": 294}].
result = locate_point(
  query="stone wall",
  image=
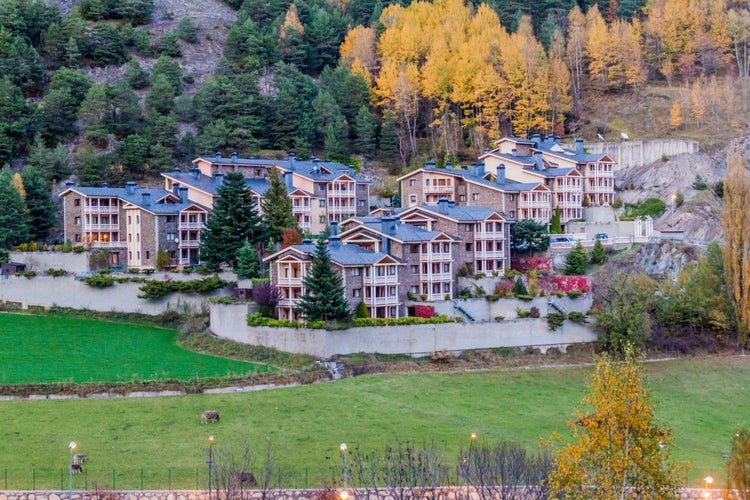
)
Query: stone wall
[
  {"x": 635, "y": 153},
  {"x": 229, "y": 321},
  {"x": 41, "y": 261},
  {"x": 443, "y": 494}
]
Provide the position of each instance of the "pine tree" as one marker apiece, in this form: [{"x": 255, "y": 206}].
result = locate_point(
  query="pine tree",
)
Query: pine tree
[
  {"x": 233, "y": 221},
  {"x": 362, "y": 311},
  {"x": 598, "y": 254},
  {"x": 555, "y": 225},
  {"x": 365, "y": 127},
  {"x": 247, "y": 262},
  {"x": 575, "y": 261},
  {"x": 38, "y": 202},
  {"x": 277, "y": 208},
  {"x": 14, "y": 216},
  {"x": 324, "y": 300},
  {"x": 618, "y": 451}
]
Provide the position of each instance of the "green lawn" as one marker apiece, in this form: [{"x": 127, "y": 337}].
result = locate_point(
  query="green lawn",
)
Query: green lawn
[
  {"x": 46, "y": 349},
  {"x": 160, "y": 442}
]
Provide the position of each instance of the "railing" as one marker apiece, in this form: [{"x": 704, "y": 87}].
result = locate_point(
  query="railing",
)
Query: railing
[
  {"x": 102, "y": 227},
  {"x": 108, "y": 244},
  {"x": 291, "y": 281},
  {"x": 287, "y": 302},
  {"x": 101, "y": 210},
  {"x": 433, "y": 277},
  {"x": 189, "y": 225},
  {"x": 189, "y": 244},
  {"x": 342, "y": 210},
  {"x": 489, "y": 254},
  {"x": 389, "y": 279},
  {"x": 435, "y": 257},
  {"x": 438, "y": 189},
  {"x": 489, "y": 235},
  {"x": 382, "y": 301},
  {"x": 533, "y": 204},
  {"x": 301, "y": 209}
]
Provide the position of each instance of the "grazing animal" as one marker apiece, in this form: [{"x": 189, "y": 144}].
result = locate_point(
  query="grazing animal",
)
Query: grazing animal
[
  {"x": 210, "y": 416},
  {"x": 76, "y": 468},
  {"x": 244, "y": 478},
  {"x": 79, "y": 459}
]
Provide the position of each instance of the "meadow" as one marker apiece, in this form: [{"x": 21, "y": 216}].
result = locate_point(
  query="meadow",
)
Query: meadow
[
  {"x": 161, "y": 443},
  {"x": 49, "y": 349}
]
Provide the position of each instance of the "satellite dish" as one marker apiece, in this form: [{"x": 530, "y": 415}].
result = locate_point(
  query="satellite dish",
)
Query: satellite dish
[
  {"x": 624, "y": 136},
  {"x": 600, "y": 136}
]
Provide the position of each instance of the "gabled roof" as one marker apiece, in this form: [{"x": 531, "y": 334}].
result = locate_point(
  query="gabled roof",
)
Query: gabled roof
[
  {"x": 196, "y": 180},
  {"x": 458, "y": 213},
  {"x": 403, "y": 233},
  {"x": 469, "y": 176},
  {"x": 133, "y": 196},
  {"x": 551, "y": 147},
  {"x": 341, "y": 253}
]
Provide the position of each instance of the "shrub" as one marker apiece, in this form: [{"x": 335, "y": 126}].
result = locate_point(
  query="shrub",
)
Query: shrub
[
  {"x": 29, "y": 274},
  {"x": 478, "y": 276},
  {"x": 522, "y": 313},
  {"x": 503, "y": 288},
  {"x": 411, "y": 296},
  {"x": 99, "y": 280},
  {"x": 423, "y": 297},
  {"x": 447, "y": 296},
  {"x": 525, "y": 298},
  {"x": 577, "y": 317},
  {"x": 56, "y": 272},
  {"x": 424, "y": 311},
  {"x": 67, "y": 247},
  {"x": 362, "y": 311},
  {"x": 699, "y": 184},
  {"x": 499, "y": 318},
  {"x": 78, "y": 249},
  {"x": 154, "y": 289},
  {"x": 555, "y": 320},
  {"x": 534, "y": 312},
  {"x": 519, "y": 287},
  {"x": 574, "y": 294}
]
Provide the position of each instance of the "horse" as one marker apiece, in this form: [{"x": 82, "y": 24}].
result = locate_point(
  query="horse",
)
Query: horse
[
  {"x": 76, "y": 468},
  {"x": 79, "y": 458},
  {"x": 244, "y": 478},
  {"x": 210, "y": 416}
]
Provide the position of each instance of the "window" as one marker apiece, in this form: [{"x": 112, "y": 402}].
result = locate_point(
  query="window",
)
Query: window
[
  {"x": 138, "y": 238},
  {"x": 357, "y": 292},
  {"x": 137, "y": 219},
  {"x": 414, "y": 248},
  {"x": 512, "y": 197},
  {"x": 446, "y": 248},
  {"x": 171, "y": 218},
  {"x": 322, "y": 219},
  {"x": 446, "y": 268},
  {"x": 357, "y": 271},
  {"x": 78, "y": 221},
  {"x": 468, "y": 227},
  {"x": 392, "y": 291},
  {"x": 77, "y": 237},
  {"x": 322, "y": 186},
  {"x": 512, "y": 214},
  {"x": 475, "y": 197},
  {"x": 414, "y": 289},
  {"x": 446, "y": 287},
  {"x": 130, "y": 237},
  {"x": 77, "y": 202},
  {"x": 360, "y": 203},
  {"x": 468, "y": 247},
  {"x": 171, "y": 236},
  {"x": 321, "y": 203},
  {"x": 148, "y": 254},
  {"x": 462, "y": 197},
  {"x": 414, "y": 269},
  {"x": 393, "y": 312},
  {"x": 392, "y": 270},
  {"x": 412, "y": 198},
  {"x": 130, "y": 255},
  {"x": 129, "y": 221},
  {"x": 138, "y": 255}
]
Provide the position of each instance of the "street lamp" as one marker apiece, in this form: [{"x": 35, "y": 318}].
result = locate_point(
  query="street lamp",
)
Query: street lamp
[
  {"x": 210, "y": 462},
  {"x": 71, "y": 447},
  {"x": 708, "y": 481},
  {"x": 344, "y": 494}
]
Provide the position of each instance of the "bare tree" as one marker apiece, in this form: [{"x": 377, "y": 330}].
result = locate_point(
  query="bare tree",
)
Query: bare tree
[{"x": 238, "y": 474}]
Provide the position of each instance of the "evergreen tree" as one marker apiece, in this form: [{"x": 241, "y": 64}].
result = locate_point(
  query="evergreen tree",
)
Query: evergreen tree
[
  {"x": 529, "y": 235},
  {"x": 93, "y": 114},
  {"x": 598, "y": 254},
  {"x": 134, "y": 153},
  {"x": 555, "y": 226},
  {"x": 136, "y": 76},
  {"x": 365, "y": 127},
  {"x": 324, "y": 300},
  {"x": 38, "y": 202},
  {"x": 519, "y": 287},
  {"x": 169, "y": 46},
  {"x": 187, "y": 30},
  {"x": 362, "y": 311},
  {"x": 575, "y": 261},
  {"x": 13, "y": 123},
  {"x": 277, "y": 208},
  {"x": 168, "y": 67},
  {"x": 247, "y": 262},
  {"x": 389, "y": 144},
  {"x": 160, "y": 97},
  {"x": 233, "y": 221},
  {"x": 14, "y": 216}
]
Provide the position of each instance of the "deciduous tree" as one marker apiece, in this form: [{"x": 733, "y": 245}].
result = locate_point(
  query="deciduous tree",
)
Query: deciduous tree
[
  {"x": 738, "y": 464},
  {"x": 618, "y": 449}
]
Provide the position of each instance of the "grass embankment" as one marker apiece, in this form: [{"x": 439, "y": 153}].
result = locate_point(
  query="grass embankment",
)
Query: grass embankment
[{"x": 161, "y": 441}]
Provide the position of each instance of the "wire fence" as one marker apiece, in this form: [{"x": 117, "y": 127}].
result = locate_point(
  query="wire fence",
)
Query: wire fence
[{"x": 140, "y": 478}]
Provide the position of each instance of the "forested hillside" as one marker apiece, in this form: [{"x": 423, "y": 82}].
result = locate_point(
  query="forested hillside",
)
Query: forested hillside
[{"x": 122, "y": 89}]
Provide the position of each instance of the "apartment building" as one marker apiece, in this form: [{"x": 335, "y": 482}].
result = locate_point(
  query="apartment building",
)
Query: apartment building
[
  {"x": 321, "y": 192},
  {"x": 133, "y": 223},
  {"x": 370, "y": 277},
  {"x": 484, "y": 233},
  {"x": 475, "y": 186},
  {"x": 525, "y": 163}
]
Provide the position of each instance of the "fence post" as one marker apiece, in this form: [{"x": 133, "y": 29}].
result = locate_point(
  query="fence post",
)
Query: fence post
[
  {"x": 141, "y": 478},
  {"x": 6, "y": 479},
  {"x": 86, "y": 479},
  {"x": 169, "y": 478},
  {"x": 61, "y": 481},
  {"x": 197, "y": 484},
  {"x": 33, "y": 478},
  {"x": 113, "y": 480}
]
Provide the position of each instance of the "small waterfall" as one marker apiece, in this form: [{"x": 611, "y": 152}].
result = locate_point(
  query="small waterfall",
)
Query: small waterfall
[{"x": 335, "y": 368}]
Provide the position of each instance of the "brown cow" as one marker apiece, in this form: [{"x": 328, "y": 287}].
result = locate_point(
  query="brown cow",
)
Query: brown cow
[
  {"x": 76, "y": 468},
  {"x": 210, "y": 416},
  {"x": 79, "y": 458},
  {"x": 244, "y": 478}
]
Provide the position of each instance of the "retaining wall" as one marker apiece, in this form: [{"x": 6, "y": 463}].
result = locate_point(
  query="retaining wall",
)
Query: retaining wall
[
  {"x": 229, "y": 322},
  {"x": 41, "y": 261},
  {"x": 635, "y": 153},
  {"x": 66, "y": 291}
]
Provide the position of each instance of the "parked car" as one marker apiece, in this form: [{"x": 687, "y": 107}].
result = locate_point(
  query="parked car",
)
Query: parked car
[
  {"x": 562, "y": 239},
  {"x": 601, "y": 236}
]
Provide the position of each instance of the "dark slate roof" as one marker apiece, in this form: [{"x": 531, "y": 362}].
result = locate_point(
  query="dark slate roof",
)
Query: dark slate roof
[
  {"x": 469, "y": 175},
  {"x": 460, "y": 212},
  {"x": 195, "y": 180},
  {"x": 530, "y": 160},
  {"x": 136, "y": 198},
  {"x": 260, "y": 186},
  {"x": 405, "y": 232},
  {"x": 345, "y": 254},
  {"x": 549, "y": 146}
]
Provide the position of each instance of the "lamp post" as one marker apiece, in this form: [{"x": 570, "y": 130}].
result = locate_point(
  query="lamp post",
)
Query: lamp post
[
  {"x": 708, "y": 481},
  {"x": 71, "y": 447},
  {"x": 210, "y": 462},
  {"x": 344, "y": 494}
]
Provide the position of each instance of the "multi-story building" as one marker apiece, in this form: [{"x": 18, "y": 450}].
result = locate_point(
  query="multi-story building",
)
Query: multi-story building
[
  {"x": 474, "y": 186},
  {"x": 370, "y": 277},
  {"x": 484, "y": 233},
  {"x": 321, "y": 192},
  {"x": 525, "y": 163},
  {"x": 134, "y": 224},
  {"x": 429, "y": 256}
]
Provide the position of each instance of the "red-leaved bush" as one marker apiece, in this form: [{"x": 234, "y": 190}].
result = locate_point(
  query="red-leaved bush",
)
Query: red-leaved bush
[
  {"x": 424, "y": 311},
  {"x": 564, "y": 284},
  {"x": 525, "y": 264}
]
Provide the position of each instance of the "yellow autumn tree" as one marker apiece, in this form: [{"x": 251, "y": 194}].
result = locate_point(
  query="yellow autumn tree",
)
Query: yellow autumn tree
[
  {"x": 735, "y": 220},
  {"x": 618, "y": 450},
  {"x": 358, "y": 52},
  {"x": 675, "y": 116},
  {"x": 599, "y": 47},
  {"x": 17, "y": 182},
  {"x": 698, "y": 105}
]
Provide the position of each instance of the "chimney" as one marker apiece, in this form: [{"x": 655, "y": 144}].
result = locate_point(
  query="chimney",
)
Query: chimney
[
  {"x": 218, "y": 155},
  {"x": 175, "y": 188},
  {"x": 579, "y": 146},
  {"x": 334, "y": 228},
  {"x": 430, "y": 164},
  {"x": 443, "y": 205},
  {"x": 219, "y": 178},
  {"x": 183, "y": 195},
  {"x": 70, "y": 184},
  {"x": 105, "y": 185},
  {"x": 130, "y": 187},
  {"x": 196, "y": 172},
  {"x": 234, "y": 156},
  {"x": 351, "y": 171},
  {"x": 513, "y": 152},
  {"x": 334, "y": 242},
  {"x": 288, "y": 180},
  {"x": 538, "y": 165},
  {"x": 557, "y": 139},
  {"x": 389, "y": 227},
  {"x": 291, "y": 161},
  {"x": 501, "y": 174},
  {"x": 448, "y": 164},
  {"x": 307, "y": 241},
  {"x": 451, "y": 203},
  {"x": 176, "y": 172},
  {"x": 537, "y": 139},
  {"x": 480, "y": 169},
  {"x": 146, "y": 199}
]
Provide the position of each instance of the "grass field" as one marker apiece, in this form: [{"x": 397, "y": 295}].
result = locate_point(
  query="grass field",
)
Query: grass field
[
  {"x": 160, "y": 442},
  {"x": 46, "y": 349}
]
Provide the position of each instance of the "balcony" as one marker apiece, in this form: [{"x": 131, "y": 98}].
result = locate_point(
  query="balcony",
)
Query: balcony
[
  {"x": 381, "y": 301},
  {"x": 436, "y": 257},
  {"x": 439, "y": 189},
  {"x": 287, "y": 302},
  {"x": 108, "y": 244},
  {"x": 489, "y": 254},
  {"x": 102, "y": 228},
  {"x": 301, "y": 209},
  {"x": 533, "y": 204},
  {"x": 109, "y": 209},
  {"x": 189, "y": 225},
  {"x": 435, "y": 277},
  {"x": 342, "y": 209},
  {"x": 295, "y": 281},
  {"x": 489, "y": 235},
  {"x": 189, "y": 244},
  {"x": 380, "y": 280}
]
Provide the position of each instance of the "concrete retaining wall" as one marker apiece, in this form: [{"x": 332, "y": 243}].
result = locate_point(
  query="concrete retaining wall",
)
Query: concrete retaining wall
[
  {"x": 635, "y": 153},
  {"x": 63, "y": 291},
  {"x": 229, "y": 321},
  {"x": 41, "y": 261}
]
